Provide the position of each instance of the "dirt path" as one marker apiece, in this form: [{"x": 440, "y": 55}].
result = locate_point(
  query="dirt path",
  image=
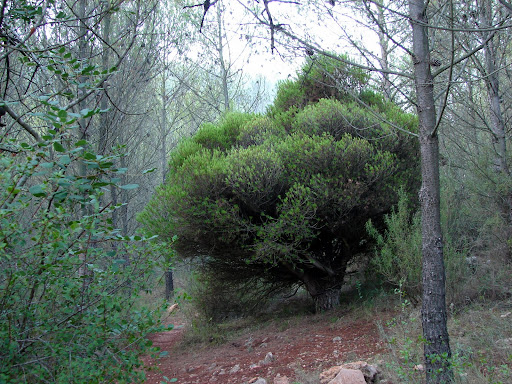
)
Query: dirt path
[{"x": 298, "y": 348}]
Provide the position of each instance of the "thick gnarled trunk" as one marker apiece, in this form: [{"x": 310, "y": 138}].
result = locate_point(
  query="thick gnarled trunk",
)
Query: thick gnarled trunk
[{"x": 325, "y": 292}]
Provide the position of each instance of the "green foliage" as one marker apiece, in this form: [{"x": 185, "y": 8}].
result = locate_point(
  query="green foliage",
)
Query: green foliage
[
  {"x": 398, "y": 250},
  {"x": 397, "y": 257},
  {"x": 320, "y": 78},
  {"x": 223, "y": 135},
  {"x": 475, "y": 334},
  {"x": 336, "y": 119},
  {"x": 259, "y": 130},
  {"x": 255, "y": 176},
  {"x": 283, "y": 205},
  {"x": 326, "y": 77},
  {"x": 290, "y": 94},
  {"x": 68, "y": 279},
  {"x": 185, "y": 149}
]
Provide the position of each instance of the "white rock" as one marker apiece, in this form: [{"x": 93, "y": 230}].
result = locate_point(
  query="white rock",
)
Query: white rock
[
  {"x": 281, "y": 379},
  {"x": 504, "y": 343},
  {"x": 268, "y": 358},
  {"x": 349, "y": 376},
  {"x": 235, "y": 369},
  {"x": 369, "y": 371}
]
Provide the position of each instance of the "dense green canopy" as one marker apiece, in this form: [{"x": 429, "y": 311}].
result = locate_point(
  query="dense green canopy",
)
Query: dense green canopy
[{"x": 283, "y": 198}]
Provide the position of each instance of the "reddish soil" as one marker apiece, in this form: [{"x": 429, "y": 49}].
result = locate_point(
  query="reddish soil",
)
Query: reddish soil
[{"x": 310, "y": 345}]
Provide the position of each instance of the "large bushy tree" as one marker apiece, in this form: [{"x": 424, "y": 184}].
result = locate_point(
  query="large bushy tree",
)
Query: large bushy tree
[{"x": 282, "y": 199}]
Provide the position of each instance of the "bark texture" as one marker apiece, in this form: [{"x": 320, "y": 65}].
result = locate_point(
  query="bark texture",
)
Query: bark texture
[
  {"x": 498, "y": 127},
  {"x": 437, "y": 347},
  {"x": 325, "y": 292}
]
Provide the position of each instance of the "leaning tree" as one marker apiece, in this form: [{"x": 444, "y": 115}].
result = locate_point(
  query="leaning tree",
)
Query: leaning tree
[{"x": 282, "y": 199}]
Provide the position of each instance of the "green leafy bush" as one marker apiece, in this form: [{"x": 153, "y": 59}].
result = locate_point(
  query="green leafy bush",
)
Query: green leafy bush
[
  {"x": 259, "y": 130},
  {"x": 68, "y": 279},
  {"x": 223, "y": 135},
  {"x": 319, "y": 78},
  {"x": 398, "y": 259},
  {"x": 280, "y": 207},
  {"x": 325, "y": 77}
]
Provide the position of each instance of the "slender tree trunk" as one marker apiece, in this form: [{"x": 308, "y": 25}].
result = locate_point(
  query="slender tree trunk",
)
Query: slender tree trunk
[
  {"x": 472, "y": 117},
  {"x": 492, "y": 83},
  {"x": 105, "y": 59},
  {"x": 384, "y": 43},
  {"x": 82, "y": 55},
  {"x": 496, "y": 115},
  {"x": 224, "y": 71},
  {"x": 437, "y": 346},
  {"x": 124, "y": 199},
  {"x": 82, "y": 124},
  {"x": 169, "y": 280}
]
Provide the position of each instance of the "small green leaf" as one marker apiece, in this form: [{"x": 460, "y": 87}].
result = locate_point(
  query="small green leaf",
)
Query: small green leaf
[
  {"x": 84, "y": 187},
  {"x": 91, "y": 165},
  {"x": 129, "y": 186},
  {"x": 65, "y": 160},
  {"x": 106, "y": 164},
  {"x": 59, "y": 196},
  {"x": 100, "y": 184},
  {"x": 59, "y": 147},
  {"x": 37, "y": 190}
]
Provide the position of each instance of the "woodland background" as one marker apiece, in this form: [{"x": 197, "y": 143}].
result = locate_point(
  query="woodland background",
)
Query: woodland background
[{"x": 96, "y": 95}]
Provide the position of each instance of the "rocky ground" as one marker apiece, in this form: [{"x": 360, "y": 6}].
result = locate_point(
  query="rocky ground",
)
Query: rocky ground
[{"x": 279, "y": 351}]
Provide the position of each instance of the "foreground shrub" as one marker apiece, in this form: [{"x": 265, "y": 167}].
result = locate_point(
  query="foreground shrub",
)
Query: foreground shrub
[
  {"x": 280, "y": 208},
  {"x": 68, "y": 280},
  {"x": 397, "y": 259}
]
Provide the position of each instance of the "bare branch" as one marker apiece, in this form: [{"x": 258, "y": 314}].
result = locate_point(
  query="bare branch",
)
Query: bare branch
[{"x": 23, "y": 124}]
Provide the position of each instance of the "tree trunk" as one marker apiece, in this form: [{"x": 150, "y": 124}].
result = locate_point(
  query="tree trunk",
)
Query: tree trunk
[
  {"x": 105, "y": 59},
  {"x": 327, "y": 300},
  {"x": 169, "y": 284},
  {"x": 224, "y": 71},
  {"x": 384, "y": 50},
  {"x": 325, "y": 292},
  {"x": 497, "y": 121},
  {"x": 169, "y": 279},
  {"x": 436, "y": 347}
]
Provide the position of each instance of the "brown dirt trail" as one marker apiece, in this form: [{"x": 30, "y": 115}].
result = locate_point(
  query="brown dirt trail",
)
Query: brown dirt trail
[{"x": 310, "y": 345}]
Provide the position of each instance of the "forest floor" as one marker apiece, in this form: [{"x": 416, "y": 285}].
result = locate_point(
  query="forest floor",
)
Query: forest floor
[
  {"x": 383, "y": 332},
  {"x": 301, "y": 347}
]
